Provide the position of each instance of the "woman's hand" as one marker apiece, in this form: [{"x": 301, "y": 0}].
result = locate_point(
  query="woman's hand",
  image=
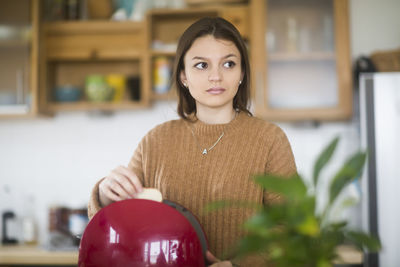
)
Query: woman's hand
[
  {"x": 216, "y": 262},
  {"x": 120, "y": 184}
]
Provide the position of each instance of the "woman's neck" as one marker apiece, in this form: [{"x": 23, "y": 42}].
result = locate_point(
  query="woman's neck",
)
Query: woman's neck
[{"x": 212, "y": 116}]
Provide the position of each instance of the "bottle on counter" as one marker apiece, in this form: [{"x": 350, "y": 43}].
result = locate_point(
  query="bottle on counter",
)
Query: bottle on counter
[
  {"x": 29, "y": 227},
  {"x": 9, "y": 221}
]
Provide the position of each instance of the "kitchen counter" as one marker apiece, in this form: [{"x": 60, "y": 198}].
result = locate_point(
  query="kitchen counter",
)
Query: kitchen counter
[
  {"x": 34, "y": 255},
  {"x": 348, "y": 255}
]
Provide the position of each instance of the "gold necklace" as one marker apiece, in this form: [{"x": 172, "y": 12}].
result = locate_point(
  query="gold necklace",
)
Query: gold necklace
[{"x": 205, "y": 150}]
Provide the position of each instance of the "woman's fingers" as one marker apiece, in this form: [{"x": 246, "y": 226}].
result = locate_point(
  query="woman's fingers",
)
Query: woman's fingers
[
  {"x": 106, "y": 194},
  {"x": 118, "y": 187},
  {"x": 120, "y": 184},
  {"x": 124, "y": 182},
  {"x": 110, "y": 195},
  {"x": 211, "y": 258},
  {"x": 215, "y": 262},
  {"x": 132, "y": 178},
  {"x": 112, "y": 190}
]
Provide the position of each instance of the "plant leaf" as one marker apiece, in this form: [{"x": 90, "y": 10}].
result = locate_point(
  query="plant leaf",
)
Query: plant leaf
[
  {"x": 323, "y": 159},
  {"x": 363, "y": 240},
  {"x": 337, "y": 226},
  {"x": 350, "y": 170},
  {"x": 309, "y": 226},
  {"x": 260, "y": 224},
  {"x": 324, "y": 263},
  {"x": 292, "y": 188},
  {"x": 251, "y": 244}
]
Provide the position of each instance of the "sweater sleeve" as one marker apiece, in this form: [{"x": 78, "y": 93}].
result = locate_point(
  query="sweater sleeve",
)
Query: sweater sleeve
[
  {"x": 135, "y": 164},
  {"x": 94, "y": 203},
  {"x": 280, "y": 162}
]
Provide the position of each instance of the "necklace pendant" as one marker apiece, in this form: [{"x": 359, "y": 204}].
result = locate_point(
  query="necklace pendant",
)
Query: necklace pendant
[{"x": 204, "y": 151}]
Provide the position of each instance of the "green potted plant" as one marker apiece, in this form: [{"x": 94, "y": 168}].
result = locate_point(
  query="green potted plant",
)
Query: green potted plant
[{"x": 291, "y": 232}]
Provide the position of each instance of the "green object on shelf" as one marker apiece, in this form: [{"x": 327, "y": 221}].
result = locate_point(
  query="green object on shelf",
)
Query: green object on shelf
[{"x": 97, "y": 89}]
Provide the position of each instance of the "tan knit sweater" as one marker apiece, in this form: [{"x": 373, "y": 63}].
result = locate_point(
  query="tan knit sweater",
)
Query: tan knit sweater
[{"x": 170, "y": 158}]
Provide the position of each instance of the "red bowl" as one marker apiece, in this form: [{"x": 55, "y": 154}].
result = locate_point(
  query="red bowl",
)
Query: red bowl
[{"x": 139, "y": 232}]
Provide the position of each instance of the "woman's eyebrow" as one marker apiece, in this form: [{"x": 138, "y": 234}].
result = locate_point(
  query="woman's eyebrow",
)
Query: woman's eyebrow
[{"x": 204, "y": 58}]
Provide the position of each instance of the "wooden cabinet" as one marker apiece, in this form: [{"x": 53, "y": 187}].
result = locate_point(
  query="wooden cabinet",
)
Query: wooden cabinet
[
  {"x": 165, "y": 28},
  {"x": 301, "y": 59},
  {"x": 65, "y": 53},
  {"x": 19, "y": 58},
  {"x": 72, "y": 51},
  {"x": 94, "y": 40},
  {"x": 300, "y": 56}
]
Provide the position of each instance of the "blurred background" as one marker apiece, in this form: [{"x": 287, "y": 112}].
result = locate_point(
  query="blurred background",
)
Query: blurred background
[{"x": 82, "y": 81}]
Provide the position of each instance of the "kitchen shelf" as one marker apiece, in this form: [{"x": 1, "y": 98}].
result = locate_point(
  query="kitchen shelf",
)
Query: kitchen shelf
[
  {"x": 93, "y": 54},
  {"x": 90, "y": 106},
  {"x": 156, "y": 53},
  {"x": 90, "y": 27},
  {"x": 94, "y": 40},
  {"x": 169, "y": 96},
  {"x": 76, "y": 49},
  {"x": 315, "y": 56},
  {"x": 14, "y": 43}
]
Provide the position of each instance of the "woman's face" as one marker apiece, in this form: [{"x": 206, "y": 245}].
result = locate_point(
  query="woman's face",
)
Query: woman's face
[{"x": 212, "y": 72}]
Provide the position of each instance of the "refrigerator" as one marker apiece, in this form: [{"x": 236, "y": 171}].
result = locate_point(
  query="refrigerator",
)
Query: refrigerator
[{"x": 379, "y": 104}]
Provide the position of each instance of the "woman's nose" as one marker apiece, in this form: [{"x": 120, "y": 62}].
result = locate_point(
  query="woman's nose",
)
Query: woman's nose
[{"x": 215, "y": 75}]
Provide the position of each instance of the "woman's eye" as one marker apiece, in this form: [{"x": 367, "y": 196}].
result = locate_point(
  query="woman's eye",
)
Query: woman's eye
[
  {"x": 229, "y": 64},
  {"x": 201, "y": 65}
]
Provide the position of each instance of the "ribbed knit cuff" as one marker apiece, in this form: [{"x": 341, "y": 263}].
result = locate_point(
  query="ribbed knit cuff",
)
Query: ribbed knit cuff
[{"x": 94, "y": 202}]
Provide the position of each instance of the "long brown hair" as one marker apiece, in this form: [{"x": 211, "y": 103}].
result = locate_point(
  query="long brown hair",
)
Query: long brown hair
[{"x": 222, "y": 29}]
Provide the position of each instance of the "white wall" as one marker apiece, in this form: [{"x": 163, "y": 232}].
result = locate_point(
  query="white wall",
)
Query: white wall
[
  {"x": 375, "y": 25},
  {"x": 59, "y": 159}
]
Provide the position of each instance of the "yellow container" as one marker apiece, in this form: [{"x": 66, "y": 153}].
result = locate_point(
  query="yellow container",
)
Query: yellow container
[{"x": 118, "y": 82}]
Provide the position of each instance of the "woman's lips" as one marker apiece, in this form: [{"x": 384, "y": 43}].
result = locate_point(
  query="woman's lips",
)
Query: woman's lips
[{"x": 216, "y": 90}]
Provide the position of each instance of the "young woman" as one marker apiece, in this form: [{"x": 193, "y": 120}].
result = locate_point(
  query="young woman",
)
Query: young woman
[{"x": 214, "y": 150}]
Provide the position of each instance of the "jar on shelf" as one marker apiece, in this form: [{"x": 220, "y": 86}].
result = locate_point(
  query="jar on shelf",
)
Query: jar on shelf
[
  {"x": 118, "y": 83},
  {"x": 97, "y": 89},
  {"x": 161, "y": 75}
]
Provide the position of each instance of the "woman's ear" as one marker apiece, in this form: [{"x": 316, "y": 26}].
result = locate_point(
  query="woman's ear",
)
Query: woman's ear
[{"x": 182, "y": 76}]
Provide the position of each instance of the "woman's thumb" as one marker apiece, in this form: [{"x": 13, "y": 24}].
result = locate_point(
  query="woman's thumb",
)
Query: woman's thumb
[{"x": 211, "y": 258}]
